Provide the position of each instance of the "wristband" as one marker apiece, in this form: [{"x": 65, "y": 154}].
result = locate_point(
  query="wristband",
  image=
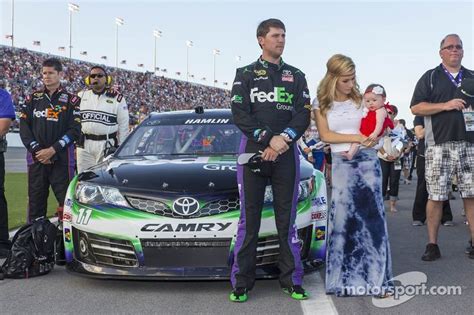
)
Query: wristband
[
  {"x": 285, "y": 135},
  {"x": 290, "y": 132}
]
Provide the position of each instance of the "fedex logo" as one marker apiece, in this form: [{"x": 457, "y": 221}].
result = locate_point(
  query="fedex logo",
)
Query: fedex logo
[{"x": 278, "y": 95}]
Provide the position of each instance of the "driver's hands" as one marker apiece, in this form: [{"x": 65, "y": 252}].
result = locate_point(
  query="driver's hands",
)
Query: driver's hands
[
  {"x": 279, "y": 144},
  {"x": 269, "y": 154}
]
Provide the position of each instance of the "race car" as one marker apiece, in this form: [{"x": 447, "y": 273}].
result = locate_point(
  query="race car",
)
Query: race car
[{"x": 166, "y": 205}]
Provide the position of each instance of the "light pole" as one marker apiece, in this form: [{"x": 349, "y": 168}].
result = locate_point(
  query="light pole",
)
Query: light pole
[
  {"x": 189, "y": 44},
  {"x": 118, "y": 22},
  {"x": 156, "y": 34},
  {"x": 13, "y": 23},
  {"x": 72, "y": 8},
  {"x": 215, "y": 52}
]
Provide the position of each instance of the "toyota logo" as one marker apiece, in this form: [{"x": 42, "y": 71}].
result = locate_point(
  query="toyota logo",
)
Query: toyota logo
[{"x": 185, "y": 206}]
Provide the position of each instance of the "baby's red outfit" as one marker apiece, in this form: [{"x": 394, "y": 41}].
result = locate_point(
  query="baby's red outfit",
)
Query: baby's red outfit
[{"x": 368, "y": 123}]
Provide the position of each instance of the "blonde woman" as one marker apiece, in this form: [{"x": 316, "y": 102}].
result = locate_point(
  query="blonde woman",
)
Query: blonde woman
[{"x": 358, "y": 258}]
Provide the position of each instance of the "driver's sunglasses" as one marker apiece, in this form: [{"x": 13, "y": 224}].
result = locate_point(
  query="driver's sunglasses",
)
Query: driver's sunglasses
[{"x": 93, "y": 76}]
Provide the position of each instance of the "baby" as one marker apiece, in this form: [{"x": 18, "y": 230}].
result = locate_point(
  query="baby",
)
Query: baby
[{"x": 376, "y": 118}]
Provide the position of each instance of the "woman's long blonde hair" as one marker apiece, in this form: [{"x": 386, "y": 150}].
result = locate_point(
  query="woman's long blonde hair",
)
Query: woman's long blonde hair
[{"x": 337, "y": 66}]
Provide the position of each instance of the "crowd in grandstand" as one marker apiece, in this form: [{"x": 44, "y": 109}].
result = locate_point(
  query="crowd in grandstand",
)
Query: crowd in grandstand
[{"x": 21, "y": 69}]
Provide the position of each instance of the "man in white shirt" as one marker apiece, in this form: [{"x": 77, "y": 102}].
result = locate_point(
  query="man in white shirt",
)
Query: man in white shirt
[{"x": 104, "y": 119}]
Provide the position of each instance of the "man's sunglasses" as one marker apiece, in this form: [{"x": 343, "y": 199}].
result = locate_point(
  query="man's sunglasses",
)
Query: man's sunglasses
[
  {"x": 93, "y": 76},
  {"x": 451, "y": 47}
]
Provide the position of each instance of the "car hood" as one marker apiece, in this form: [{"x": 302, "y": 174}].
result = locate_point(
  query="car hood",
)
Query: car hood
[
  {"x": 175, "y": 175},
  {"x": 194, "y": 175}
]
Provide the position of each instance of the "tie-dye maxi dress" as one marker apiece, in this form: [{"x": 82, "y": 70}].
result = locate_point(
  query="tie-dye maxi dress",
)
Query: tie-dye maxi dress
[{"x": 358, "y": 258}]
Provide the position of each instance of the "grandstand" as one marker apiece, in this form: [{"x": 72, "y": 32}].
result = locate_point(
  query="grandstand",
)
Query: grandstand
[{"x": 21, "y": 69}]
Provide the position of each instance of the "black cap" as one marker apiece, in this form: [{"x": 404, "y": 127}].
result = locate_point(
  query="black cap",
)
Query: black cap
[{"x": 466, "y": 92}]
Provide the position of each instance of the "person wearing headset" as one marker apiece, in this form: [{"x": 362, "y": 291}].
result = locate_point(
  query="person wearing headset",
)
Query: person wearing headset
[{"x": 104, "y": 119}]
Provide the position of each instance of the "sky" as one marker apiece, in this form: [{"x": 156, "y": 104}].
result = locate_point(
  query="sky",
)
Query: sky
[{"x": 391, "y": 42}]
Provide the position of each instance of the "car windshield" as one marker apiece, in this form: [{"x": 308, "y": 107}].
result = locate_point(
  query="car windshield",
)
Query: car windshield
[{"x": 196, "y": 139}]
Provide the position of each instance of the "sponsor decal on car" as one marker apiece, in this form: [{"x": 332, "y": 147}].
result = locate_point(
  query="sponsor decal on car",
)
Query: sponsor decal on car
[
  {"x": 319, "y": 215},
  {"x": 67, "y": 235},
  {"x": 186, "y": 227},
  {"x": 319, "y": 201},
  {"x": 207, "y": 121},
  {"x": 320, "y": 233},
  {"x": 217, "y": 167},
  {"x": 67, "y": 217}
]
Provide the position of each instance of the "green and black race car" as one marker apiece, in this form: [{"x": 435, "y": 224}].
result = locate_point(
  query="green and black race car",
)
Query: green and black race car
[{"x": 166, "y": 205}]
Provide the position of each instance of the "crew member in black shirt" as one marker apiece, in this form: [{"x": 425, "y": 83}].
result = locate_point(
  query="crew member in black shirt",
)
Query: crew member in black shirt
[
  {"x": 50, "y": 123},
  {"x": 421, "y": 195},
  {"x": 449, "y": 143}
]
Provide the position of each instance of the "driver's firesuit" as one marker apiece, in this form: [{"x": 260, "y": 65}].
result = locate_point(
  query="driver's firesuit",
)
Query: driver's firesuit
[{"x": 269, "y": 99}]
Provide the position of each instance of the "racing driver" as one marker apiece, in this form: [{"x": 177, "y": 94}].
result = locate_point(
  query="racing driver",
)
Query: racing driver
[{"x": 271, "y": 106}]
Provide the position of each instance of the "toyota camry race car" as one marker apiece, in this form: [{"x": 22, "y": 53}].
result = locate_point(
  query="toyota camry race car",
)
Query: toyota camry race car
[{"x": 165, "y": 205}]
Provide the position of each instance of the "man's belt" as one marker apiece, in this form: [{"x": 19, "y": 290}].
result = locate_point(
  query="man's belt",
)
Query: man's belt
[{"x": 100, "y": 137}]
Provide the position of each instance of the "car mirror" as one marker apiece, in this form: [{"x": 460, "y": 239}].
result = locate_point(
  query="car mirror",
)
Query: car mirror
[{"x": 109, "y": 151}]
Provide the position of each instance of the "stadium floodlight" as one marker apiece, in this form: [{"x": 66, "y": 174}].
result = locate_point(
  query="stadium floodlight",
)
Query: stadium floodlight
[
  {"x": 118, "y": 22},
  {"x": 72, "y": 7},
  {"x": 12, "y": 36},
  {"x": 189, "y": 44},
  {"x": 215, "y": 52},
  {"x": 156, "y": 34}
]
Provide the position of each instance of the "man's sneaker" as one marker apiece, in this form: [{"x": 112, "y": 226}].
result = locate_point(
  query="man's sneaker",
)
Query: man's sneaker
[
  {"x": 448, "y": 223},
  {"x": 296, "y": 292},
  {"x": 431, "y": 253},
  {"x": 417, "y": 223},
  {"x": 239, "y": 295}
]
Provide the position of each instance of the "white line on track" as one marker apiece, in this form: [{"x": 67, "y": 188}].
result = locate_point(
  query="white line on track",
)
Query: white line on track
[{"x": 319, "y": 302}]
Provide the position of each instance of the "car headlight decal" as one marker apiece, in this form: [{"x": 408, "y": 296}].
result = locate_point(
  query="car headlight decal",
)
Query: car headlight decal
[{"x": 87, "y": 193}]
